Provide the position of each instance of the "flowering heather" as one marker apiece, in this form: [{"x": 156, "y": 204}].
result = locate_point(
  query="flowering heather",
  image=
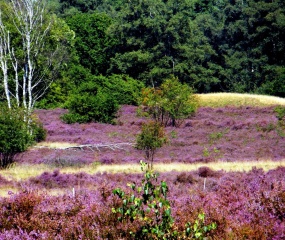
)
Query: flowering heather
[
  {"x": 224, "y": 134},
  {"x": 244, "y": 205}
]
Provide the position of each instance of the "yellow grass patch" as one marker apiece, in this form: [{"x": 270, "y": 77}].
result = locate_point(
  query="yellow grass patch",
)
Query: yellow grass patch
[
  {"x": 238, "y": 99},
  {"x": 179, "y": 167},
  {"x": 23, "y": 172},
  {"x": 55, "y": 144}
]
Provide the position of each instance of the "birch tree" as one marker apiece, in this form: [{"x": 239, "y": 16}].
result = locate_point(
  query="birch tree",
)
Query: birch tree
[
  {"x": 35, "y": 58},
  {"x": 4, "y": 57}
]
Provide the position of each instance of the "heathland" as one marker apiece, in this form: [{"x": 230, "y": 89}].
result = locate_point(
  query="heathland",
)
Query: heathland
[{"x": 226, "y": 162}]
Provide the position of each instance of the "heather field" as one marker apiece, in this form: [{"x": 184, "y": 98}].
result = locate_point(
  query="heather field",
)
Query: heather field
[{"x": 226, "y": 162}]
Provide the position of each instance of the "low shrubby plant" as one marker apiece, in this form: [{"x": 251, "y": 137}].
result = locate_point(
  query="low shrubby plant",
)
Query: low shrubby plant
[
  {"x": 98, "y": 100},
  {"x": 148, "y": 206},
  {"x": 199, "y": 229},
  {"x": 18, "y": 131},
  {"x": 280, "y": 113},
  {"x": 171, "y": 103},
  {"x": 91, "y": 104}
]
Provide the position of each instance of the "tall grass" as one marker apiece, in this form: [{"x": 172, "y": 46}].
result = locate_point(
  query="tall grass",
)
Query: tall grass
[{"x": 238, "y": 99}]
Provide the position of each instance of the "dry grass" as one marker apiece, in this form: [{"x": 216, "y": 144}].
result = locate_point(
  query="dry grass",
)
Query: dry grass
[
  {"x": 23, "y": 172},
  {"x": 179, "y": 167},
  {"x": 19, "y": 173},
  {"x": 55, "y": 144},
  {"x": 238, "y": 99}
]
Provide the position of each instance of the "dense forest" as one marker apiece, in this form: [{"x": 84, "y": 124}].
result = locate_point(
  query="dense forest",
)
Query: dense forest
[{"x": 122, "y": 45}]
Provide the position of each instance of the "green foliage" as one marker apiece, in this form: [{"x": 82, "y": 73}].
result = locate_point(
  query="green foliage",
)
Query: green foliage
[
  {"x": 123, "y": 88},
  {"x": 91, "y": 103},
  {"x": 280, "y": 113},
  {"x": 147, "y": 204},
  {"x": 157, "y": 39},
  {"x": 37, "y": 131},
  {"x": 198, "y": 230},
  {"x": 59, "y": 91},
  {"x": 99, "y": 97},
  {"x": 274, "y": 81},
  {"x": 171, "y": 103},
  {"x": 17, "y": 133},
  {"x": 215, "y": 136},
  {"x": 92, "y": 43},
  {"x": 151, "y": 138}
]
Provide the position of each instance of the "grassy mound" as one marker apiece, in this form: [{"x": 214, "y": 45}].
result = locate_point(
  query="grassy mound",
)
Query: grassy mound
[{"x": 239, "y": 99}]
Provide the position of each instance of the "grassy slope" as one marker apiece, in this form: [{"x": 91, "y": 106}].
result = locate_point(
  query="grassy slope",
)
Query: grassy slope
[{"x": 239, "y": 99}]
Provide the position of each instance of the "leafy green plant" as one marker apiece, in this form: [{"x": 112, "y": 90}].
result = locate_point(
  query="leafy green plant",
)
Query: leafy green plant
[
  {"x": 206, "y": 152},
  {"x": 147, "y": 204},
  {"x": 17, "y": 132},
  {"x": 199, "y": 229},
  {"x": 280, "y": 113},
  {"x": 173, "y": 134},
  {"x": 171, "y": 103},
  {"x": 215, "y": 136},
  {"x": 91, "y": 103},
  {"x": 123, "y": 88},
  {"x": 151, "y": 138}
]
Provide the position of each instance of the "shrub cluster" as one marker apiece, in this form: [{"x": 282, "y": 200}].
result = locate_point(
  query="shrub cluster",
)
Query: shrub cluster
[
  {"x": 98, "y": 100},
  {"x": 17, "y": 132}
]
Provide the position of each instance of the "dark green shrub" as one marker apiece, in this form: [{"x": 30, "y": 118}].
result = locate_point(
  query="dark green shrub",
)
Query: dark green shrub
[
  {"x": 171, "y": 103},
  {"x": 14, "y": 135},
  {"x": 99, "y": 98},
  {"x": 38, "y": 133},
  {"x": 18, "y": 131},
  {"x": 123, "y": 88},
  {"x": 91, "y": 103}
]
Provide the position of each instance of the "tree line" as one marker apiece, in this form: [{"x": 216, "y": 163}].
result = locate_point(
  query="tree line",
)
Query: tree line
[{"x": 211, "y": 45}]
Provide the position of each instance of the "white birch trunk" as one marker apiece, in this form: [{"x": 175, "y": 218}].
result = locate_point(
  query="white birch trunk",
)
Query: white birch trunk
[
  {"x": 4, "y": 57},
  {"x": 29, "y": 15},
  {"x": 30, "y": 82},
  {"x": 16, "y": 79}
]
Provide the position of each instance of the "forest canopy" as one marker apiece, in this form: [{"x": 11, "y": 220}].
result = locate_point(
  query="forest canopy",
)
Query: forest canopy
[{"x": 211, "y": 45}]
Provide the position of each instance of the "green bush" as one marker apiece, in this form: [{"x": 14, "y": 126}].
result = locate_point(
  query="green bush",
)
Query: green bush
[
  {"x": 17, "y": 133},
  {"x": 98, "y": 99},
  {"x": 147, "y": 209},
  {"x": 38, "y": 133},
  {"x": 171, "y": 103},
  {"x": 147, "y": 204},
  {"x": 124, "y": 89},
  {"x": 91, "y": 103}
]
